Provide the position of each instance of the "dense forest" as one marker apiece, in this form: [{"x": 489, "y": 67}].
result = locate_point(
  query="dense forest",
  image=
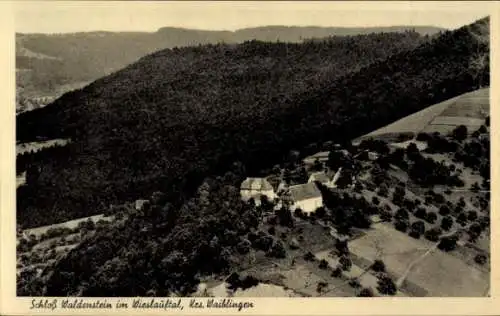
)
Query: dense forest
[
  {"x": 59, "y": 59},
  {"x": 178, "y": 115},
  {"x": 166, "y": 120},
  {"x": 135, "y": 133}
]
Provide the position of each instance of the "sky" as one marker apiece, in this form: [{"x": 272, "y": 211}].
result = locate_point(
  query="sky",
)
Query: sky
[{"x": 82, "y": 16}]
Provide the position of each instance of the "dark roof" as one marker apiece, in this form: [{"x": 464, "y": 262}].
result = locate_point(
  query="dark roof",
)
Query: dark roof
[
  {"x": 260, "y": 184},
  {"x": 304, "y": 191}
]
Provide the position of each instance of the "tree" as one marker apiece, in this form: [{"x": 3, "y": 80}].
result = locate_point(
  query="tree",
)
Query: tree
[
  {"x": 309, "y": 256},
  {"x": 444, "y": 210},
  {"x": 402, "y": 214},
  {"x": 448, "y": 243},
  {"x": 433, "y": 234},
  {"x": 320, "y": 212},
  {"x": 480, "y": 259},
  {"x": 462, "y": 219},
  {"x": 323, "y": 264},
  {"x": 472, "y": 215},
  {"x": 337, "y": 272},
  {"x": 317, "y": 166},
  {"x": 431, "y": 217},
  {"x": 421, "y": 213},
  {"x": 158, "y": 198},
  {"x": 419, "y": 227},
  {"x": 386, "y": 286},
  {"x": 298, "y": 212},
  {"x": 446, "y": 223},
  {"x": 375, "y": 200},
  {"x": 386, "y": 216},
  {"x": 244, "y": 246},
  {"x": 460, "y": 133},
  {"x": 321, "y": 285},
  {"x": 346, "y": 263},
  {"x": 277, "y": 250},
  {"x": 285, "y": 217},
  {"x": 342, "y": 247},
  {"x": 383, "y": 190},
  {"x": 354, "y": 283},
  {"x": 378, "y": 266},
  {"x": 412, "y": 151},
  {"x": 402, "y": 226}
]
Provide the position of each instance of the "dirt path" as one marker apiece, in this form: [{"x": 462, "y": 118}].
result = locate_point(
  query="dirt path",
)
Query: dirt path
[{"x": 403, "y": 277}]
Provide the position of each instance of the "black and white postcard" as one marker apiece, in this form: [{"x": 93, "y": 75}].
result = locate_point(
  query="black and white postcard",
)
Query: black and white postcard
[{"x": 248, "y": 157}]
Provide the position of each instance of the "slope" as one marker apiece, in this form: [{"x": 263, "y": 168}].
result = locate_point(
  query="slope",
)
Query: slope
[{"x": 60, "y": 62}]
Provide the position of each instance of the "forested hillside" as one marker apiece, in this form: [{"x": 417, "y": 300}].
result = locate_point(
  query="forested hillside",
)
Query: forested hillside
[
  {"x": 136, "y": 132},
  {"x": 168, "y": 118},
  {"x": 51, "y": 63}
]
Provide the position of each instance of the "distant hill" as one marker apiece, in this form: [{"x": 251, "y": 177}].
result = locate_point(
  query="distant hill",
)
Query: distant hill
[
  {"x": 177, "y": 115},
  {"x": 53, "y": 64}
]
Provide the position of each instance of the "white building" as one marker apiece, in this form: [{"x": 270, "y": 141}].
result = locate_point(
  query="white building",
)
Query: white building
[
  {"x": 256, "y": 188},
  {"x": 306, "y": 196}
]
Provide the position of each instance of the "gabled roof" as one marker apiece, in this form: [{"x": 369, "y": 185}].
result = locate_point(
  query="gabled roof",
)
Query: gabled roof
[
  {"x": 320, "y": 177},
  {"x": 305, "y": 191},
  {"x": 259, "y": 184}
]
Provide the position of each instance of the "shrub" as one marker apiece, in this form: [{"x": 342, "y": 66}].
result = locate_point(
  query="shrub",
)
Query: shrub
[
  {"x": 321, "y": 285},
  {"x": 366, "y": 292},
  {"x": 354, "y": 283},
  {"x": 337, "y": 272},
  {"x": 375, "y": 200}
]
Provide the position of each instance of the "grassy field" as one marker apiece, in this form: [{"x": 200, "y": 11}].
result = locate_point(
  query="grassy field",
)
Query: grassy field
[
  {"x": 38, "y": 231},
  {"x": 36, "y": 146},
  {"x": 445, "y": 275},
  {"x": 468, "y": 109},
  {"x": 428, "y": 269}
]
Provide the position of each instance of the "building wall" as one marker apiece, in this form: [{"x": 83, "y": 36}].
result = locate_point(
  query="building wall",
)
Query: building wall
[{"x": 309, "y": 205}]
